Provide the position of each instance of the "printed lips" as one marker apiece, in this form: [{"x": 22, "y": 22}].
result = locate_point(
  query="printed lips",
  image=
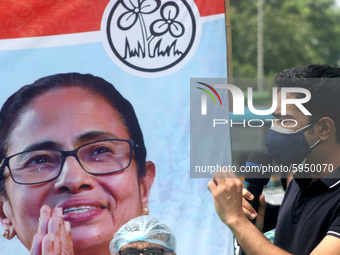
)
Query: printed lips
[{"x": 79, "y": 210}]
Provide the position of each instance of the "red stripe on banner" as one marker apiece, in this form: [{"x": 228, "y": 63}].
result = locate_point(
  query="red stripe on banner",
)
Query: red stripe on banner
[
  {"x": 212, "y": 7},
  {"x": 29, "y": 18}
]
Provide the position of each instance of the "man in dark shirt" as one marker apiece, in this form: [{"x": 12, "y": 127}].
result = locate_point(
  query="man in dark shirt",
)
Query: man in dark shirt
[
  {"x": 309, "y": 212},
  {"x": 309, "y": 218}
]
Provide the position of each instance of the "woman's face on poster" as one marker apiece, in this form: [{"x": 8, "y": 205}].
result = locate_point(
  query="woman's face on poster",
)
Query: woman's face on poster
[{"x": 95, "y": 205}]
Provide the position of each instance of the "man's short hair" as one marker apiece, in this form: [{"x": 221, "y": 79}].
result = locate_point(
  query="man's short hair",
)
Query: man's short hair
[{"x": 323, "y": 82}]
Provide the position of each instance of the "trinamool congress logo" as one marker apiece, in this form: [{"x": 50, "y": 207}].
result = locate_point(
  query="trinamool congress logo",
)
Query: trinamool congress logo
[{"x": 151, "y": 38}]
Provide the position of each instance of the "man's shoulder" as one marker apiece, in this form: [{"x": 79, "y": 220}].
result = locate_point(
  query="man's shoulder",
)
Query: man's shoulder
[{"x": 324, "y": 192}]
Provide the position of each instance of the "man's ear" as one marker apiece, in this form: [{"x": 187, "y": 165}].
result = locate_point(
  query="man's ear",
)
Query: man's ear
[
  {"x": 7, "y": 225},
  {"x": 146, "y": 183},
  {"x": 327, "y": 128}
]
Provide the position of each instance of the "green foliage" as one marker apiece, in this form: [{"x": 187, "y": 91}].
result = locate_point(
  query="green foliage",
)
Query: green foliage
[{"x": 296, "y": 33}]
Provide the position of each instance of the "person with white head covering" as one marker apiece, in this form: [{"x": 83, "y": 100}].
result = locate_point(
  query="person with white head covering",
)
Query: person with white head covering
[{"x": 143, "y": 235}]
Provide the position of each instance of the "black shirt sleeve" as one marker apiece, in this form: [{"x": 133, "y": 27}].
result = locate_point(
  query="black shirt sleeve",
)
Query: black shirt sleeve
[{"x": 334, "y": 230}]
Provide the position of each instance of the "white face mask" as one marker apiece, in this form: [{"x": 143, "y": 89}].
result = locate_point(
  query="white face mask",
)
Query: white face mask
[
  {"x": 286, "y": 130},
  {"x": 282, "y": 130}
]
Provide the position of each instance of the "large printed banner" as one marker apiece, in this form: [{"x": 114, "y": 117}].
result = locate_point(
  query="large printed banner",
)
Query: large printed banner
[{"x": 149, "y": 50}]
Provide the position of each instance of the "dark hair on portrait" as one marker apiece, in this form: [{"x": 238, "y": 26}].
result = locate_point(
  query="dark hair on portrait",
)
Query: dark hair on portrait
[
  {"x": 323, "y": 81},
  {"x": 17, "y": 103}
]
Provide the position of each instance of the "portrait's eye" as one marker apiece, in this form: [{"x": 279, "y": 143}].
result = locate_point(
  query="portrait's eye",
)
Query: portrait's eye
[
  {"x": 101, "y": 150},
  {"x": 34, "y": 160},
  {"x": 98, "y": 152},
  {"x": 40, "y": 159}
]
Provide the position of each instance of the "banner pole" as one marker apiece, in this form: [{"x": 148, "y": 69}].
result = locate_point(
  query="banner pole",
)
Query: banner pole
[
  {"x": 229, "y": 43},
  {"x": 229, "y": 50}
]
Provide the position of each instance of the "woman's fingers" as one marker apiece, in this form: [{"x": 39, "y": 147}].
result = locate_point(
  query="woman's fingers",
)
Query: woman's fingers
[
  {"x": 66, "y": 239},
  {"x": 61, "y": 229},
  {"x": 45, "y": 215},
  {"x": 55, "y": 228},
  {"x": 54, "y": 234},
  {"x": 36, "y": 244},
  {"x": 47, "y": 246}
]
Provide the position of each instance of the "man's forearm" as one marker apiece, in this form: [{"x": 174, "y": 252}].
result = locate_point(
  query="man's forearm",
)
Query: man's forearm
[{"x": 251, "y": 239}]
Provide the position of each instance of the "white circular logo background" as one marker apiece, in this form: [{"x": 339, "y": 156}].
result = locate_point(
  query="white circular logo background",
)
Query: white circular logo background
[{"x": 151, "y": 38}]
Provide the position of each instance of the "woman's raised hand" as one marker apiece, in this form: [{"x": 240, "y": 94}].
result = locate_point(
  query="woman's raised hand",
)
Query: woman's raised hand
[{"x": 54, "y": 234}]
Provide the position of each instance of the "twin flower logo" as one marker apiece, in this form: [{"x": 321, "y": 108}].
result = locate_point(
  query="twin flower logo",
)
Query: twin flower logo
[
  {"x": 151, "y": 38},
  {"x": 238, "y": 99}
]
